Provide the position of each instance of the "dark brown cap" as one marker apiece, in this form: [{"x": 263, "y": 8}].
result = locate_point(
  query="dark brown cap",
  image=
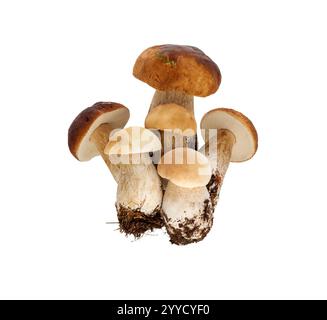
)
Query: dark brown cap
[
  {"x": 81, "y": 129},
  {"x": 181, "y": 68}
]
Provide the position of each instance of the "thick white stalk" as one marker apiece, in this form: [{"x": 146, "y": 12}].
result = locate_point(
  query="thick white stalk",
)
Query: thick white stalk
[
  {"x": 218, "y": 150},
  {"x": 187, "y": 213},
  {"x": 180, "y": 98},
  {"x": 100, "y": 138},
  {"x": 139, "y": 187},
  {"x": 172, "y": 139}
]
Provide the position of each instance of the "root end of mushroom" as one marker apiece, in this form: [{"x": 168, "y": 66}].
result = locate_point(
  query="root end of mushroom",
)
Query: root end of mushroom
[
  {"x": 190, "y": 230},
  {"x": 136, "y": 223}
]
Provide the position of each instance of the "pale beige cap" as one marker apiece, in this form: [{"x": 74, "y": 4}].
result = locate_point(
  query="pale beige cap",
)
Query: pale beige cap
[
  {"x": 132, "y": 140},
  {"x": 246, "y": 136},
  {"x": 185, "y": 167},
  {"x": 171, "y": 116}
]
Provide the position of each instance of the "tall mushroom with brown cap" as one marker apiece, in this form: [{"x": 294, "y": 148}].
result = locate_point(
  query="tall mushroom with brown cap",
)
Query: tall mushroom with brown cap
[
  {"x": 178, "y": 73},
  {"x": 139, "y": 193},
  {"x": 89, "y": 132},
  {"x": 186, "y": 206},
  {"x": 175, "y": 123},
  {"x": 230, "y": 137}
]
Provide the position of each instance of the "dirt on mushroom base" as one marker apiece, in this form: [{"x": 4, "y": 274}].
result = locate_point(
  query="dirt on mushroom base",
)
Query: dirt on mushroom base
[
  {"x": 214, "y": 187},
  {"x": 189, "y": 227},
  {"x": 136, "y": 223}
]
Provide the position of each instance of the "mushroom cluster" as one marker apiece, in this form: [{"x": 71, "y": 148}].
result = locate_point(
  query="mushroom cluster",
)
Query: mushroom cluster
[{"x": 163, "y": 179}]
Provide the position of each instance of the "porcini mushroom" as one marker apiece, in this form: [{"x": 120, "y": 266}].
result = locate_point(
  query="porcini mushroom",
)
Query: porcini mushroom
[
  {"x": 175, "y": 123},
  {"x": 186, "y": 206},
  {"x": 139, "y": 193},
  {"x": 229, "y": 137},
  {"x": 89, "y": 132},
  {"x": 178, "y": 73}
]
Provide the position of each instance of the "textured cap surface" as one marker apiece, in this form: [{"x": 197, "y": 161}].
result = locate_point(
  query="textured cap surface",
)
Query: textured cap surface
[{"x": 181, "y": 68}]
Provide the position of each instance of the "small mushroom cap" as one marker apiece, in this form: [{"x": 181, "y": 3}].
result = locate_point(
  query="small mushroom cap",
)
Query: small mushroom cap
[
  {"x": 81, "y": 129},
  {"x": 246, "y": 136},
  {"x": 132, "y": 140},
  {"x": 185, "y": 168},
  {"x": 171, "y": 116},
  {"x": 181, "y": 68}
]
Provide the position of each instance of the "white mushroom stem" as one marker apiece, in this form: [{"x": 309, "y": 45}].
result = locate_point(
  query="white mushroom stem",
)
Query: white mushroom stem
[
  {"x": 180, "y": 98},
  {"x": 180, "y": 203},
  {"x": 218, "y": 150},
  {"x": 187, "y": 213},
  {"x": 172, "y": 140},
  {"x": 139, "y": 186},
  {"x": 100, "y": 138}
]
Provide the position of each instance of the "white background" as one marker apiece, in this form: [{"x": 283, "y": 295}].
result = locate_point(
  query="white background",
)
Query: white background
[{"x": 269, "y": 238}]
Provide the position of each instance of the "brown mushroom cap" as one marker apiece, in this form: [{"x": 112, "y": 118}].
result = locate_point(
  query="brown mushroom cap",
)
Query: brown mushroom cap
[
  {"x": 171, "y": 116},
  {"x": 185, "y": 168},
  {"x": 81, "y": 129},
  {"x": 246, "y": 136},
  {"x": 181, "y": 68}
]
